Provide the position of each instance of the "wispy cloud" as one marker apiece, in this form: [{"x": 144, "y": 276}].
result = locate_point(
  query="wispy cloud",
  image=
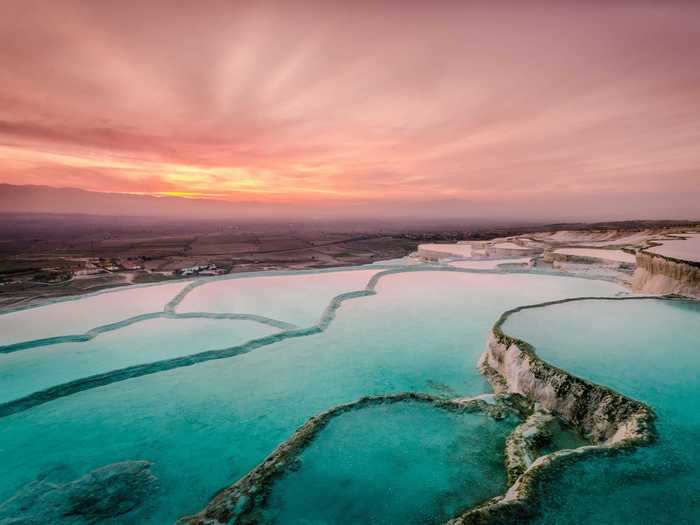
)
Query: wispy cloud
[{"x": 382, "y": 101}]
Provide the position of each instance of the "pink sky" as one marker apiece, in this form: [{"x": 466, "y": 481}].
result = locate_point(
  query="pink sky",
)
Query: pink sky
[{"x": 495, "y": 104}]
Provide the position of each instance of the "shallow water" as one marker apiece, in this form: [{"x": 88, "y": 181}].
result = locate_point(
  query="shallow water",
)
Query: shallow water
[
  {"x": 401, "y": 463},
  {"x": 686, "y": 249},
  {"x": 206, "y": 425},
  {"x": 646, "y": 349},
  {"x": 298, "y": 299},
  {"x": 26, "y": 371},
  {"x": 67, "y": 317}
]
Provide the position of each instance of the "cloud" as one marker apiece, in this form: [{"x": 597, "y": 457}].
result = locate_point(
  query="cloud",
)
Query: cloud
[{"x": 385, "y": 101}]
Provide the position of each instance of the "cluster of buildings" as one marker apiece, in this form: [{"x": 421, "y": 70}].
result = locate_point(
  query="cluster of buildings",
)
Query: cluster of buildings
[
  {"x": 98, "y": 266},
  {"x": 202, "y": 269}
]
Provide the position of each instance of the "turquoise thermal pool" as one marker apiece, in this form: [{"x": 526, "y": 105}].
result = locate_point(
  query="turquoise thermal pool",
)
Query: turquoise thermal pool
[
  {"x": 206, "y": 420},
  {"x": 373, "y": 460},
  {"x": 26, "y": 371},
  {"x": 298, "y": 299},
  {"x": 77, "y": 316},
  {"x": 648, "y": 349}
]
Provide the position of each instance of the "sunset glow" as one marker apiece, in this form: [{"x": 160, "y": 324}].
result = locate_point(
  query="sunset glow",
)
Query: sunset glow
[
  {"x": 287, "y": 262},
  {"x": 372, "y": 101}
]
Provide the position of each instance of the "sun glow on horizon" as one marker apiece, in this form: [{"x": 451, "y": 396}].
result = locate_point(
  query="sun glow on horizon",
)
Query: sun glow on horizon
[{"x": 273, "y": 103}]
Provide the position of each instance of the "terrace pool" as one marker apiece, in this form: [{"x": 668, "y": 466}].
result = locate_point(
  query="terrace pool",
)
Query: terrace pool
[
  {"x": 399, "y": 463},
  {"x": 205, "y": 421},
  {"x": 648, "y": 349}
]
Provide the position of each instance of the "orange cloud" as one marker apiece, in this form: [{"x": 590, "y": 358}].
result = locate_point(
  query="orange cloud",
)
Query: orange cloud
[{"x": 392, "y": 101}]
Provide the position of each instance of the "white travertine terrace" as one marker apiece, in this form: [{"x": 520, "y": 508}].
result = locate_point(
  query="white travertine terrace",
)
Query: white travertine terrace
[
  {"x": 660, "y": 275},
  {"x": 687, "y": 249},
  {"x": 438, "y": 251},
  {"x": 488, "y": 264},
  {"x": 608, "y": 255},
  {"x": 275, "y": 295},
  {"x": 494, "y": 249},
  {"x": 509, "y": 246},
  {"x": 602, "y": 238},
  {"x": 71, "y": 316},
  {"x": 670, "y": 265},
  {"x": 609, "y": 419},
  {"x": 667, "y": 261},
  {"x": 612, "y": 421}
]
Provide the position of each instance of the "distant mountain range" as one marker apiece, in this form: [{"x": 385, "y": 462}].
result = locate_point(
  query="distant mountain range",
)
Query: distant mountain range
[
  {"x": 47, "y": 199},
  {"x": 503, "y": 208}
]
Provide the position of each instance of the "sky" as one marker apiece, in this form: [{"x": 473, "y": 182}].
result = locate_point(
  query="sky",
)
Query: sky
[{"x": 537, "y": 109}]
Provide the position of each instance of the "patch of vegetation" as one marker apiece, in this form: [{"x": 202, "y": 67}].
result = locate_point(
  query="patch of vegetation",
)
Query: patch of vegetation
[{"x": 49, "y": 276}]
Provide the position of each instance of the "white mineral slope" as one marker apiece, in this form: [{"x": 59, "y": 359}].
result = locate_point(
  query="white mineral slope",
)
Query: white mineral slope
[
  {"x": 608, "y": 419},
  {"x": 596, "y": 253},
  {"x": 597, "y": 238},
  {"x": 297, "y": 298},
  {"x": 658, "y": 274},
  {"x": 494, "y": 249},
  {"x": 76, "y": 315},
  {"x": 444, "y": 251},
  {"x": 489, "y": 264},
  {"x": 513, "y": 248}
]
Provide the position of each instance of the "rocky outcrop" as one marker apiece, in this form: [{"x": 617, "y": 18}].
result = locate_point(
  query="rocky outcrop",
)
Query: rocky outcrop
[
  {"x": 106, "y": 492},
  {"x": 599, "y": 413},
  {"x": 664, "y": 275},
  {"x": 524, "y": 443},
  {"x": 611, "y": 421}
]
